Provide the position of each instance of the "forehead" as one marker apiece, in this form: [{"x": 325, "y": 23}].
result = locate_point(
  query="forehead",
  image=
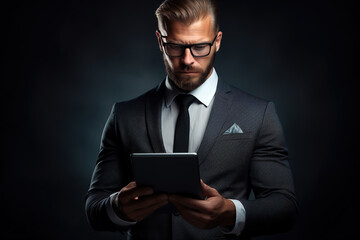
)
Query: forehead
[{"x": 200, "y": 30}]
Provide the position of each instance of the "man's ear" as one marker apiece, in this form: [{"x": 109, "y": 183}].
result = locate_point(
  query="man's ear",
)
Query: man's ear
[
  {"x": 218, "y": 41},
  {"x": 158, "y": 35}
]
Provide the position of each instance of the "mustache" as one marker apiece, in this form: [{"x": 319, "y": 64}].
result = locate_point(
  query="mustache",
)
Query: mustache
[{"x": 186, "y": 68}]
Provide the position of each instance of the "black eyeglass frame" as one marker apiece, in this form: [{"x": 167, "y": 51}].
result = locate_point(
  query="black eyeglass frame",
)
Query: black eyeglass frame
[{"x": 189, "y": 46}]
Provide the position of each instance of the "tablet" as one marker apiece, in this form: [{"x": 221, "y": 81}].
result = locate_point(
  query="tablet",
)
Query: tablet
[{"x": 172, "y": 173}]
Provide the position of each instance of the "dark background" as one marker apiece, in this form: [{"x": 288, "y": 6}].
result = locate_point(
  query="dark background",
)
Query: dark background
[{"x": 65, "y": 63}]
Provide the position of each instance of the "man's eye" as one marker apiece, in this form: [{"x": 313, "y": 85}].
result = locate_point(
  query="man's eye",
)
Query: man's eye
[
  {"x": 199, "y": 47},
  {"x": 174, "y": 47}
]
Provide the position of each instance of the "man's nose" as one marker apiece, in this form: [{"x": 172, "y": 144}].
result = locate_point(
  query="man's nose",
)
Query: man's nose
[{"x": 188, "y": 58}]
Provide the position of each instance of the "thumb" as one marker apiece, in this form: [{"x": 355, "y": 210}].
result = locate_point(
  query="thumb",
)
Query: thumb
[{"x": 208, "y": 191}]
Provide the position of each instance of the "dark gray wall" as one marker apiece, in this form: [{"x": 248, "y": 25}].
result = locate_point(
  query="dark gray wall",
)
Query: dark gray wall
[{"x": 66, "y": 62}]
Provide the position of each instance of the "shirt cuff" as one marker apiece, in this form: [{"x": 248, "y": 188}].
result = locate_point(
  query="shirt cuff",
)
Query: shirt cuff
[
  {"x": 112, "y": 215},
  {"x": 240, "y": 219}
]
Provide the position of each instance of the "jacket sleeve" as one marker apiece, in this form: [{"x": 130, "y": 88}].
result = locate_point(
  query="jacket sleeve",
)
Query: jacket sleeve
[
  {"x": 107, "y": 177},
  {"x": 274, "y": 209}
]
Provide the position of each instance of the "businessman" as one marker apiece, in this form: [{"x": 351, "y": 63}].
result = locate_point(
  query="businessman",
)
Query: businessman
[{"x": 238, "y": 139}]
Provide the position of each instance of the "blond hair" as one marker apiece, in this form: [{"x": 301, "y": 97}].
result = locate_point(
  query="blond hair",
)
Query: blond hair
[{"x": 187, "y": 11}]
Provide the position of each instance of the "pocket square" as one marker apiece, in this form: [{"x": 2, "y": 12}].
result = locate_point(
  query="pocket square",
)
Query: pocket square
[{"x": 233, "y": 129}]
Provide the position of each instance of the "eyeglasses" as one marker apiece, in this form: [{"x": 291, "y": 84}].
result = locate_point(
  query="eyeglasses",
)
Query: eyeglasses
[{"x": 178, "y": 50}]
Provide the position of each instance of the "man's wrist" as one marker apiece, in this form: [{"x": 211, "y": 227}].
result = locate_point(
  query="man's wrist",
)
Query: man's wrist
[
  {"x": 228, "y": 219},
  {"x": 240, "y": 219},
  {"x": 112, "y": 212},
  {"x": 115, "y": 206}
]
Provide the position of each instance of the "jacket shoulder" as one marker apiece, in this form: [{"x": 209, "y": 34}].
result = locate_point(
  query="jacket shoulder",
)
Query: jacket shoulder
[
  {"x": 134, "y": 104},
  {"x": 246, "y": 98}
]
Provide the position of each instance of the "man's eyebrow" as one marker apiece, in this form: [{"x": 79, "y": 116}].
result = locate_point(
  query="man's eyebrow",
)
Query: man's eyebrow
[{"x": 187, "y": 43}]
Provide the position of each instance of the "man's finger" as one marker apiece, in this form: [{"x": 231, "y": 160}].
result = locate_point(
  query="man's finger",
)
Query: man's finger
[
  {"x": 193, "y": 217},
  {"x": 127, "y": 195},
  {"x": 147, "y": 202},
  {"x": 130, "y": 186},
  {"x": 186, "y": 202},
  {"x": 131, "y": 192},
  {"x": 142, "y": 213},
  {"x": 208, "y": 191}
]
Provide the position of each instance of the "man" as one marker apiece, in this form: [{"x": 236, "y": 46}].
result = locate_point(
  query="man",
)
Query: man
[{"x": 238, "y": 139}]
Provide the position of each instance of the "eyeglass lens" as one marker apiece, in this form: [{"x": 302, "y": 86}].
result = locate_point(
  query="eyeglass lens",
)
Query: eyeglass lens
[{"x": 197, "y": 50}]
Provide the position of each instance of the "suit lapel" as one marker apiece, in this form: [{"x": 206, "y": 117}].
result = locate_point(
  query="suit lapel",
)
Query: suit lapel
[
  {"x": 217, "y": 118},
  {"x": 153, "y": 118}
]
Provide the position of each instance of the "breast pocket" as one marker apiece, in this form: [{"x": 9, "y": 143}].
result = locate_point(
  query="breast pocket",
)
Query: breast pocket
[
  {"x": 235, "y": 136},
  {"x": 231, "y": 152}
]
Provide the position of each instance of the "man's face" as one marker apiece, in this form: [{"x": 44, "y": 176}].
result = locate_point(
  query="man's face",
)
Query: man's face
[{"x": 189, "y": 72}]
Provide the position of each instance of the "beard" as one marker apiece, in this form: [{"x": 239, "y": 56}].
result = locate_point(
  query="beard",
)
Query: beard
[{"x": 189, "y": 83}]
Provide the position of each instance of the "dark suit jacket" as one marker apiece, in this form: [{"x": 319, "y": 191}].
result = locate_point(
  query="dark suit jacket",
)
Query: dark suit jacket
[{"x": 233, "y": 164}]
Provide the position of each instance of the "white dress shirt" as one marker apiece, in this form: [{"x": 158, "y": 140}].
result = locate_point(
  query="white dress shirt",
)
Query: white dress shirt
[{"x": 199, "y": 112}]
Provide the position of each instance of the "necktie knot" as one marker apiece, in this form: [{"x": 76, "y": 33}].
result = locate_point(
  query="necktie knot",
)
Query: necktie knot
[{"x": 185, "y": 100}]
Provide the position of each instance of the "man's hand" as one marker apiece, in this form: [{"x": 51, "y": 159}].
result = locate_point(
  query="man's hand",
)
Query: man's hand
[
  {"x": 206, "y": 214},
  {"x": 136, "y": 203}
]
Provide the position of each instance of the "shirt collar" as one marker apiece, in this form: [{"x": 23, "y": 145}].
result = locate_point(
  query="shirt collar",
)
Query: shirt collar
[{"x": 204, "y": 93}]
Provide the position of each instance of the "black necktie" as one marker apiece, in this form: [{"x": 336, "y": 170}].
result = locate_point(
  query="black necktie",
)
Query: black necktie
[{"x": 182, "y": 129}]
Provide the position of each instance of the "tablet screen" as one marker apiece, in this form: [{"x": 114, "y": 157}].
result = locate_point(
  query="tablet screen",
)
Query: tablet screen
[{"x": 173, "y": 173}]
